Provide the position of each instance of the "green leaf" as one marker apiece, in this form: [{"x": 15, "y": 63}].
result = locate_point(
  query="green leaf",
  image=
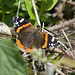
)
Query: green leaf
[
  {"x": 23, "y": 7},
  {"x": 9, "y": 10},
  {"x": 11, "y": 63},
  {"x": 30, "y": 9},
  {"x": 48, "y": 4},
  {"x": 10, "y": 3},
  {"x": 8, "y": 20}
]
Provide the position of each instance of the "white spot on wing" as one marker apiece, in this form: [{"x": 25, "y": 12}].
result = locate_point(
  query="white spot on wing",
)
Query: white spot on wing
[
  {"x": 52, "y": 44},
  {"x": 16, "y": 23},
  {"x": 22, "y": 20},
  {"x": 52, "y": 39},
  {"x": 49, "y": 44}
]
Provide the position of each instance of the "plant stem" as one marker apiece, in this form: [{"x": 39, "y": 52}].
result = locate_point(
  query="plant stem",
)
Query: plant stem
[{"x": 36, "y": 14}]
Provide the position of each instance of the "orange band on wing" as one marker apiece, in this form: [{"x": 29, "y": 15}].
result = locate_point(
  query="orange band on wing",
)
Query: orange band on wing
[
  {"x": 23, "y": 26},
  {"x": 21, "y": 46},
  {"x": 28, "y": 50},
  {"x": 46, "y": 40}
]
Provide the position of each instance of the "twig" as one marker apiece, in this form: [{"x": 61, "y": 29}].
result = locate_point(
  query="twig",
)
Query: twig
[
  {"x": 35, "y": 72},
  {"x": 18, "y": 8},
  {"x": 54, "y": 56},
  {"x": 68, "y": 34},
  {"x": 25, "y": 55},
  {"x": 66, "y": 49},
  {"x": 67, "y": 39},
  {"x": 65, "y": 24},
  {"x": 61, "y": 73},
  {"x": 36, "y": 14},
  {"x": 60, "y": 51},
  {"x": 56, "y": 73},
  {"x": 67, "y": 68},
  {"x": 68, "y": 42},
  {"x": 69, "y": 2}
]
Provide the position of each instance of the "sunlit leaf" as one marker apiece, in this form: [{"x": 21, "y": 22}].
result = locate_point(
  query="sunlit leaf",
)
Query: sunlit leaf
[
  {"x": 30, "y": 9},
  {"x": 67, "y": 61},
  {"x": 48, "y": 4}
]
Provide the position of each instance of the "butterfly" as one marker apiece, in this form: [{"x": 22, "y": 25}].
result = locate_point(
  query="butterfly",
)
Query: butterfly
[{"x": 28, "y": 36}]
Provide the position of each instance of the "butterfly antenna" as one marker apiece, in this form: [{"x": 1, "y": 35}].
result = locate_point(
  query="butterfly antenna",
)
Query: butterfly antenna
[{"x": 18, "y": 8}]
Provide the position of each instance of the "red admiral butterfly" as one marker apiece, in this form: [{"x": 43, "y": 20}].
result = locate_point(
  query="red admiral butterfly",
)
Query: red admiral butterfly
[{"x": 28, "y": 36}]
